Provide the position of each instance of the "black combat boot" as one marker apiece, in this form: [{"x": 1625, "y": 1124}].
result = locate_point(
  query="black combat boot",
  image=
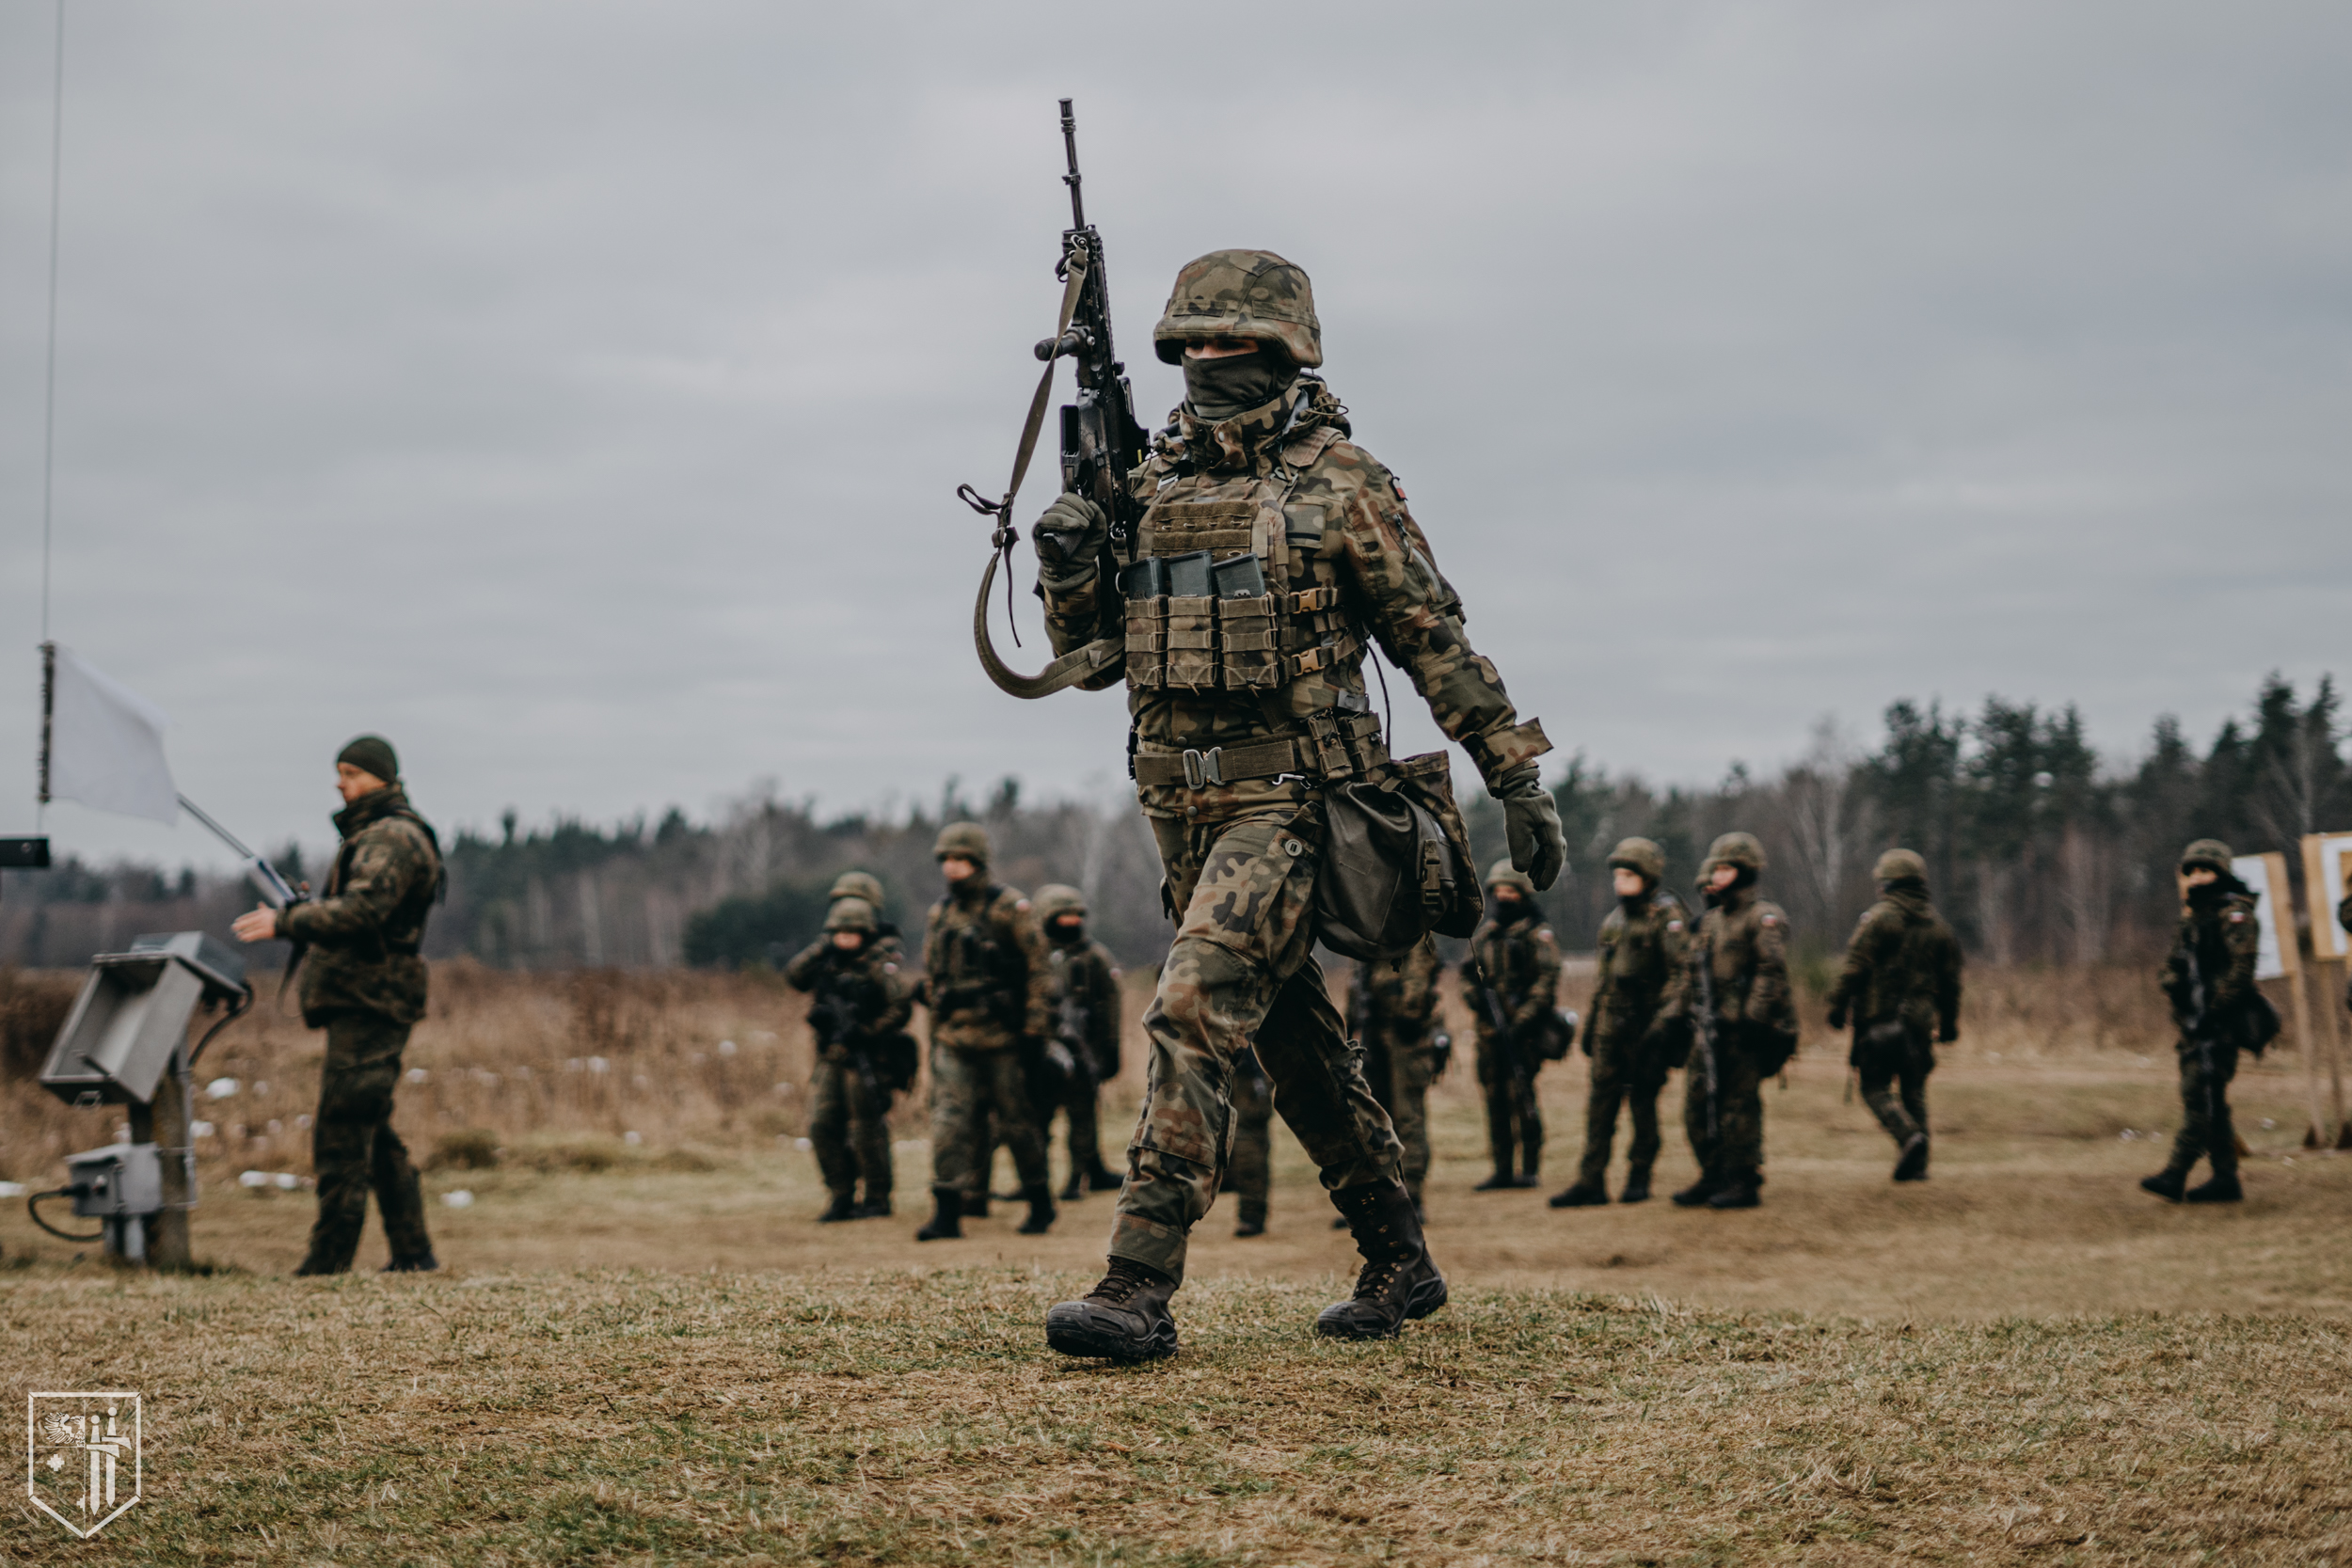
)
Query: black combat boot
[
  {"x": 876, "y": 1206},
  {"x": 1636, "y": 1185},
  {"x": 1500, "y": 1182},
  {"x": 1075, "y": 1188},
  {"x": 1101, "y": 1178},
  {"x": 2223, "y": 1188},
  {"x": 844, "y": 1207},
  {"x": 1124, "y": 1318},
  {"x": 1532, "y": 1169},
  {"x": 1912, "y": 1166},
  {"x": 1579, "y": 1193},
  {"x": 1250, "y": 1220},
  {"x": 1739, "y": 1193},
  {"x": 2168, "y": 1184},
  {"x": 1698, "y": 1192},
  {"x": 423, "y": 1263},
  {"x": 976, "y": 1205},
  {"x": 1398, "y": 1281},
  {"x": 948, "y": 1224},
  {"x": 1040, "y": 1200}
]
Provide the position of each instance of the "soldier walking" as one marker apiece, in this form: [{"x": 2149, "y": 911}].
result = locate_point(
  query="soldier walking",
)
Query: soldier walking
[
  {"x": 1742, "y": 1023},
  {"x": 1086, "y": 1024},
  {"x": 1244, "y": 706},
  {"x": 988, "y": 982},
  {"x": 860, "y": 1007},
  {"x": 1393, "y": 1006},
  {"x": 1631, "y": 1044},
  {"x": 1511, "y": 982},
  {"x": 1901, "y": 985},
  {"x": 363, "y": 981},
  {"x": 2209, "y": 979}
]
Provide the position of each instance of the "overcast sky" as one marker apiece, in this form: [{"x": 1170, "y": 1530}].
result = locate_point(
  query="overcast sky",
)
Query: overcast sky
[{"x": 575, "y": 393}]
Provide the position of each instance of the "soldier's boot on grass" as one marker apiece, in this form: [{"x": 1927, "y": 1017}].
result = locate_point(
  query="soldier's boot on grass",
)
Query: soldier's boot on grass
[
  {"x": 1698, "y": 1192},
  {"x": 1580, "y": 1194},
  {"x": 1249, "y": 1219},
  {"x": 2222, "y": 1188},
  {"x": 1124, "y": 1318},
  {"x": 1041, "y": 1202},
  {"x": 1502, "y": 1180},
  {"x": 1075, "y": 1188},
  {"x": 2168, "y": 1183},
  {"x": 1399, "y": 1279},
  {"x": 1913, "y": 1166},
  {"x": 877, "y": 1205},
  {"x": 1636, "y": 1185},
  {"x": 1739, "y": 1192},
  {"x": 1101, "y": 1178},
  {"x": 947, "y": 1223},
  {"x": 427, "y": 1263},
  {"x": 844, "y": 1207}
]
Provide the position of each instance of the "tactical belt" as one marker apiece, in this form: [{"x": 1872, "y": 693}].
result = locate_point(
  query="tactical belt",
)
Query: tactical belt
[{"x": 1338, "y": 755}]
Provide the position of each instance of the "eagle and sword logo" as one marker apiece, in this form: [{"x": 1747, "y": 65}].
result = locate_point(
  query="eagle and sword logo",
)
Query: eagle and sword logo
[{"x": 81, "y": 1460}]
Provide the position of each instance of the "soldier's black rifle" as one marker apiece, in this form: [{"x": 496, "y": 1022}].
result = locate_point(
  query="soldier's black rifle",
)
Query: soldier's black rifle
[
  {"x": 1515, "y": 1060},
  {"x": 1101, "y": 442},
  {"x": 839, "y": 1016}
]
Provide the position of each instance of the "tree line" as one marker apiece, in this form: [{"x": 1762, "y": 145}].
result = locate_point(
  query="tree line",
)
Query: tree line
[{"x": 2036, "y": 851}]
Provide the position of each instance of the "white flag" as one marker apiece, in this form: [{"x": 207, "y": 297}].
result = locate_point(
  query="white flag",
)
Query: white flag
[{"x": 106, "y": 744}]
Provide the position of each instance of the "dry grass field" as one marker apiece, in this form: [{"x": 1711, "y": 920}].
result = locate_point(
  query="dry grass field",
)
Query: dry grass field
[{"x": 648, "y": 1351}]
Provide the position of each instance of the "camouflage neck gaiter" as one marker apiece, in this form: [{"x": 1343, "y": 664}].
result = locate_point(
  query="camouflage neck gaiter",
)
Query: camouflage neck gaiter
[{"x": 1219, "y": 389}]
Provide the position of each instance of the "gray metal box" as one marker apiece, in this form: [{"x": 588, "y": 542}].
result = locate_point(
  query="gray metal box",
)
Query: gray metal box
[
  {"x": 133, "y": 1014},
  {"x": 116, "y": 1180}
]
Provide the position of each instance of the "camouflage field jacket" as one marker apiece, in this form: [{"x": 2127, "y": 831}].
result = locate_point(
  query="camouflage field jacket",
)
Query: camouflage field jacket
[
  {"x": 365, "y": 931},
  {"x": 1902, "y": 966},
  {"x": 987, "y": 978},
  {"x": 1641, "y": 962}
]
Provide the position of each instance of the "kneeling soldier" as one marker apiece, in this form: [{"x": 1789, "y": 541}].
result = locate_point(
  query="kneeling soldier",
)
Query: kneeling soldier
[
  {"x": 1742, "y": 1023},
  {"x": 364, "y": 983},
  {"x": 859, "y": 1010},
  {"x": 1630, "y": 1045},
  {"x": 988, "y": 981},
  {"x": 2210, "y": 981},
  {"x": 1902, "y": 983}
]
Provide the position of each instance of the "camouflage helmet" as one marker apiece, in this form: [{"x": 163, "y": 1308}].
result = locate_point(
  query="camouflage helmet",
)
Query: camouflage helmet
[
  {"x": 1739, "y": 850},
  {"x": 1641, "y": 856},
  {"x": 858, "y": 884},
  {"x": 1241, "y": 293},
  {"x": 1058, "y": 898},
  {"x": 963, "y": 840},
  {"x": 1502, "y": 874},
  {"x": 850, "y": 914},
  {"x": 2208, "y": 853},
  {"x": 1898, "y": 865}
]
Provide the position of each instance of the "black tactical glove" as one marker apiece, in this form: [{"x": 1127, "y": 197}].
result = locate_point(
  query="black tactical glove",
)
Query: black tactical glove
[
  {"x": 1531, "y": 821},
  {"x": 1837, "y": 1017},
  {"x": 1068, "y": 537}
]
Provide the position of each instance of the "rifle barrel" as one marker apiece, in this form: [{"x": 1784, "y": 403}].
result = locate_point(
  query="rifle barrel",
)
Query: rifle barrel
[{"x": 1070, "y": 148}]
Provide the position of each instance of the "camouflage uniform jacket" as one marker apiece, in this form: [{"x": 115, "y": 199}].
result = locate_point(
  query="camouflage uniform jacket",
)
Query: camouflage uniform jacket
[
  {"x": 364, "y": 934},
  {"x": 1518, "y": 964},
  {"x": 1745, "y": 940},
  {"x": 2220, "y": 934},
  {"x": 1401, "y": 997},
  {"x": 867, "y": 979},
  {"x": 1086, "y": 1001},
  {"x": 1641, "y": 962},
  {"x": 987, "y": 978},
  {"x": 1342, "y": 560},
  {"x": 1904, "y": 964}
]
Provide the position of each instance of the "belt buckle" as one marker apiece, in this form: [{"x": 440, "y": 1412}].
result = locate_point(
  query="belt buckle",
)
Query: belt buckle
[{"x": 1203, "y": 769}]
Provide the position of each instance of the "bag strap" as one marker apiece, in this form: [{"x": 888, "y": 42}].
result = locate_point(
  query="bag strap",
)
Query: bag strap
[{"x": 1079, "y": 663}]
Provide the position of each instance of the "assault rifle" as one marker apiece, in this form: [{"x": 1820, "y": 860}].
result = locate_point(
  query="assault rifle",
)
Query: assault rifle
[
  {"x": 1703, "y": 1042},
  {"x": 835, "y": 1019},
  {"x": 1101, "y": 442}
]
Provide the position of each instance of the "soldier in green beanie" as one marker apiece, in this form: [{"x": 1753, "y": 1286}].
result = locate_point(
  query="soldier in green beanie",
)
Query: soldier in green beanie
[{"x": 363, "y": 981}]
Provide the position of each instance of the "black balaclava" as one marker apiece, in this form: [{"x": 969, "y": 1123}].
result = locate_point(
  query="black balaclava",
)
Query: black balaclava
[{"x": 1236, "y": 383}]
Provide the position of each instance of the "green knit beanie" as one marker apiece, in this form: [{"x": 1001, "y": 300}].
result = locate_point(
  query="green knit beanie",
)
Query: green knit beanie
[{"x": 373, "y": 753}]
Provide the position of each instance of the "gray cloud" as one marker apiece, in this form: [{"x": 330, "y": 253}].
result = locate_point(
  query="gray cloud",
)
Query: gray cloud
[{"x": 575, "y": 392}]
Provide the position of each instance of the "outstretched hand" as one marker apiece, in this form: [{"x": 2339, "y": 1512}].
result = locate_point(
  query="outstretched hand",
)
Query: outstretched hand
[{"x": 258, "y": 925}]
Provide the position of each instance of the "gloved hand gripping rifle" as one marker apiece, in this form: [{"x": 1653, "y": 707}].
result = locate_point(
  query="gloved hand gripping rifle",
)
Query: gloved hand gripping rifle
[{"x": 1101, "y": 442}]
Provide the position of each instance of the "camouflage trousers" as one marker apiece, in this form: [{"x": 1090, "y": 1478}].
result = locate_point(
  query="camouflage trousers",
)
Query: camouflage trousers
[
  {"x": 1249, "y": 1174},
  {"x": 848, "y": 1129},
  {"x": 1241, "y": 973},
  {"x": 1082, "y": 1135},
  {"x": 1515, "y": 1116},
  {"x": 2206, "y": 1129},
  {"x": 974, "y": 1091},
  {"x": 1737, "y": 1147},
  {"x": 354, "y": 1151},
  {"x": 1624, "y": 1073},
  {"x": 1398, "y": 1071},
  {"x": 1894, "y": 1072}
]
